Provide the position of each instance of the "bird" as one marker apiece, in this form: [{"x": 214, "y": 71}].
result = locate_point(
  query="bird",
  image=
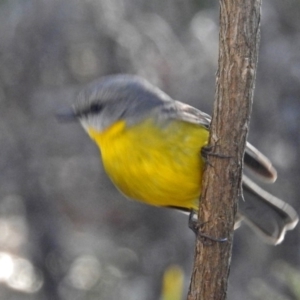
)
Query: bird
[{"x": 151, "y": 148}]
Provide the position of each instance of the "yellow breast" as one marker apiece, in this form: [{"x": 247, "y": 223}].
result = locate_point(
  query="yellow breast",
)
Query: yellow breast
[{"x": 157, "y": 164}]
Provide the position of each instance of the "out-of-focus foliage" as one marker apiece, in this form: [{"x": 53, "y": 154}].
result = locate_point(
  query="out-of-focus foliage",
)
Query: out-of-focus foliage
[
  {"x": 65, "y": 232},
  {"x": 172, "y": 283}
]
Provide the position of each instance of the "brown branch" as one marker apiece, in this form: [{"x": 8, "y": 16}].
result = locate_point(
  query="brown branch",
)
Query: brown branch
[{"x": 239, "y": 39}]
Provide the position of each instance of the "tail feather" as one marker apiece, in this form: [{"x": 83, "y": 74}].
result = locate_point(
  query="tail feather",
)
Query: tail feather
[
  {"x": 259, "y": 164},
  {"x": 267, "y": 215}
]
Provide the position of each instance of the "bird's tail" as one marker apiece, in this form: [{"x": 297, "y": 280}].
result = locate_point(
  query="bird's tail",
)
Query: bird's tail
[{"x": 267, "y": 215}]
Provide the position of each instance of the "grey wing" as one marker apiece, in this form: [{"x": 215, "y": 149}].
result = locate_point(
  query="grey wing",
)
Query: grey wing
[
  {"x": 181, "y": 111},
  {"x": 253, "y": 158},
  {"x": 266, "y": 214}
]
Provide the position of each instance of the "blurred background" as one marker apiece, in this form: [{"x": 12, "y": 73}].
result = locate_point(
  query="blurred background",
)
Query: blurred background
[{"x": 65, "y": 232}]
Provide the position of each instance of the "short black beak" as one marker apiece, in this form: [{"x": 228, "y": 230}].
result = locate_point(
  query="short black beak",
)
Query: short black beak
[{"x": 66, "y": 114}]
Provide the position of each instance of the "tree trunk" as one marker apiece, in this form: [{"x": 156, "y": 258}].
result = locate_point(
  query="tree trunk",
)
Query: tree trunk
[{"x": 238, "y": 38}]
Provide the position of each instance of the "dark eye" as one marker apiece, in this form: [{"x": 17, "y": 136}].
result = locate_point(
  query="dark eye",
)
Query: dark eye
[{"x": 95, "y": 108}]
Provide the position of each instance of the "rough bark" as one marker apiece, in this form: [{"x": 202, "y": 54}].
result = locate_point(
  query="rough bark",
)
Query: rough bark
[{"x": 238, "y": 48}]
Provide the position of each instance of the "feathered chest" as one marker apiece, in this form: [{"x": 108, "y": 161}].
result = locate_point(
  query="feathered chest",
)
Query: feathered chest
[{"x": 159, "y": 164}]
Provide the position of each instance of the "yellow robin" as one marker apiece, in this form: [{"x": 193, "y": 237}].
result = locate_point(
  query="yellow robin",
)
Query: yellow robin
[{"x": 151, "y": 147}]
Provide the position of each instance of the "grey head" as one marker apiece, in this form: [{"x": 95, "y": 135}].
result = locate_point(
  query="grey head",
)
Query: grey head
[
  {"x": 112, "y": 98},
  {"x": 130, "y": 98}
]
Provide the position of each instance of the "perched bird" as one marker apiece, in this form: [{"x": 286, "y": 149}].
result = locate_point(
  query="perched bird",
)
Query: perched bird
[{"x": 151, "y": 150}]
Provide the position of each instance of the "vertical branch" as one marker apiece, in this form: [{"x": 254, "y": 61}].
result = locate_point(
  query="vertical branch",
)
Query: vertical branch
[{"x": 238, "y": 40}]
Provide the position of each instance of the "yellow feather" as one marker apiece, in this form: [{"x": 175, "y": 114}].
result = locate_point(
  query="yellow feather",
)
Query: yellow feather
[{"x": 159, "y": 164}]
